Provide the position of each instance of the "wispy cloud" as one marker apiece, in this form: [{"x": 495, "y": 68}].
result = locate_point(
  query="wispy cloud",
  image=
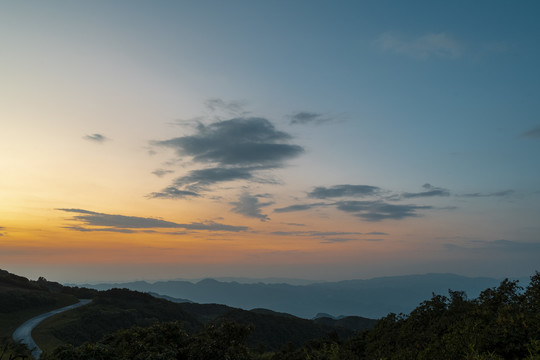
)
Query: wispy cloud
[
  {"x": 322, "y": 192},
  {"x": 493, "y": 194},
  {"x": 162, "y": 172},
  {"x": 441, "y": 45},
  {"x": 533, "y": 133},
  {"x": 304, "y": 117},
  {"x": 235, "y": 108},
  {"x": 250, "y": 206},
  {"x": 122, "y": 223},
  {"x": 373, "y": 211},
  {"x": 431, "y": 191},
  {"x": 379, "y": 210},
  {"x": 172, "y": 192},
  {"x": 98, "y": 138},
  {"x": 198, "y": 180},
  {"x": 330, "y": 237},
  {"x": 105, "y": 229},
  {"x": 299, "y": 207}
]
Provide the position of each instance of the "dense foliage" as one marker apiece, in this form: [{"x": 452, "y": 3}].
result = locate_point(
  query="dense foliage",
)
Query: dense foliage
[
  {"x": 502, "y": 323},
  {"x": 10, "y": 350},
  {"x": 19, "y": 293}
]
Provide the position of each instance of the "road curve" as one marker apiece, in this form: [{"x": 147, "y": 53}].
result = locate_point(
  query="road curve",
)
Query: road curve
[{"x": 23, "y": 333}]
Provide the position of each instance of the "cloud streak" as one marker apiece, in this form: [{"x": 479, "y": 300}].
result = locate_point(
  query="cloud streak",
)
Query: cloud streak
[
  {"x": 431, "y": 192},
  {"x": 231, "y": 107},
  {"x": 494, "y": 194},
  {"x": 331, "y": 237},
  {"x": 162, "y": 172},
  {"x": 126, "y": 224},
  {"x": 299, "y": 207},
  {"x": 97, "y": 138},
  {"x": 322, "y": 192},
  {"x": 372, "y": 211},
  {"x": 375, "y": 211},
  {"x": 304, "y": 117},
  {"x": 172, "y": 192}
]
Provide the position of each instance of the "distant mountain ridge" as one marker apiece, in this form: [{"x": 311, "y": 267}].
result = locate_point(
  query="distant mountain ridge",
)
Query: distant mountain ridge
[{"x": 373, "y": 298}]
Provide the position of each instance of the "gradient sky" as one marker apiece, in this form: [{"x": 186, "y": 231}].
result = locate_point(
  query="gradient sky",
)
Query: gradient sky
[{"x": 306, "y": 139}]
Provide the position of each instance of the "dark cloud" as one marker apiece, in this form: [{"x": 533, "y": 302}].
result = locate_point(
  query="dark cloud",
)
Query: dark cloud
[
  {"x": 95, "y": 138},
  {"x": 494, "y": 194},
  {"x": 533, "y": 133},
  {"x": 243, "y": 148},
  {"x": 250, "y": 206},
  {"x": 376, "y": 233},
  {"x": 431, "y": 191},
  {"x": 373, "y": 211},
  {"x": 299, "y": 207},
  {"x": 304, "y": 117},
  {"x": 236, "y": 142},
  {"x": 379, "y": 210},
  {"x": 172, "y": 192},
  {"x": 121, "y": 222},
  {"x": 162, "y": 172},
  {"x": 322, "y": 192},
  {"x": 201, "y": 179}
]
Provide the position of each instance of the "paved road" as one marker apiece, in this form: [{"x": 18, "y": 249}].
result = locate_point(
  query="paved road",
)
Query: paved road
[{"x": 24, "y": 332}]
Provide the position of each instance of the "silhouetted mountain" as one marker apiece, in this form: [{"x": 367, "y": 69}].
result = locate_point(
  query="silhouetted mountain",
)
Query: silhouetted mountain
[{"x": 372, "y": 298}]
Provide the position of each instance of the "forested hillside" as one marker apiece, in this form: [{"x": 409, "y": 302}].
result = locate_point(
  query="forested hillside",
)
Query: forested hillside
[
  {"x": 20, "y": 299},
  {"x": 503, "y": 322},
  {"x": 117, "y": 309}
]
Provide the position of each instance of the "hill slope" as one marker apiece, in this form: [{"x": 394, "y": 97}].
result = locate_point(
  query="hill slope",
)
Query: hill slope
[
  {"x": 22, "y": 299},
  {"x": 117, "y": 309}
]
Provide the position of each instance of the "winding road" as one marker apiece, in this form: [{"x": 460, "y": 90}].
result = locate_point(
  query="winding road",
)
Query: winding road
[{"x": 23, "y": 333}]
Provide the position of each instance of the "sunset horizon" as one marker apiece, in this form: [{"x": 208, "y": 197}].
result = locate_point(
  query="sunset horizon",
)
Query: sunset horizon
[{"x": 304, "y": 140}]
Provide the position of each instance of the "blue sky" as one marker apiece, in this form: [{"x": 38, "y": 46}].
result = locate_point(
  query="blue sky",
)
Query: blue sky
[{"x": 224, "y": 118}]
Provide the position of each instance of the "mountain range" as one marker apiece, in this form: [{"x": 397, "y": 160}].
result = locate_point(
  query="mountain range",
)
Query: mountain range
[{"x": 373, "y": 298}]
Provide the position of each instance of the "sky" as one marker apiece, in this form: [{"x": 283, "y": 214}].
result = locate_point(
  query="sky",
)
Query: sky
[{"x": 323, "y": 140}]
